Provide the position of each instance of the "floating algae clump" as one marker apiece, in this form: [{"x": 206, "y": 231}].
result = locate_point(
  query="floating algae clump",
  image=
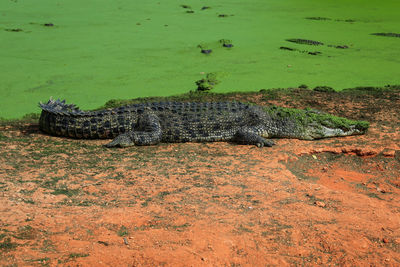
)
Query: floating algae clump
[{"x": 208, "y": 83}]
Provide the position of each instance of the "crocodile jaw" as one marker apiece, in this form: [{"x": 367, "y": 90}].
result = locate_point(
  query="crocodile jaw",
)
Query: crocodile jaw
[{"x": 326, "y": 132}]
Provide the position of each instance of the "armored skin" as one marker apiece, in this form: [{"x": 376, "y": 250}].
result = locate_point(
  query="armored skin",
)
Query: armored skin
[{"x": 152, "y": 123}]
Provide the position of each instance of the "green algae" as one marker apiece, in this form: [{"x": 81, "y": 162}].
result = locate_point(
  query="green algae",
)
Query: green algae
[
  {"x": 99, "y": 50},
  {"x": 208, "y": 83}
]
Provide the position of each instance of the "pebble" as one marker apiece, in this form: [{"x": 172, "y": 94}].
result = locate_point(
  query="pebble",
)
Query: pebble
[
  {"x": 389, "y": 153},
  {"x": 320, "y": 204}
]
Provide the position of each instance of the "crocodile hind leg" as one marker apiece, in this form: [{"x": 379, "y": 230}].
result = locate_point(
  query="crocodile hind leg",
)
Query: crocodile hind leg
[
  {"x": 147, "y": 132},
  {"x": 248, "y": 136}
]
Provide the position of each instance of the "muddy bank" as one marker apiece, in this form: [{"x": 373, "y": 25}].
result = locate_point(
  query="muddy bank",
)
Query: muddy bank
[{"x": 333, "y": 201}]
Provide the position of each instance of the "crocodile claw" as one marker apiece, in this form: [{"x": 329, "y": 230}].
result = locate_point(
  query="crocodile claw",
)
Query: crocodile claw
[
  {"x": 265, "y": 142},
  {"x": 122, "y": 140}
]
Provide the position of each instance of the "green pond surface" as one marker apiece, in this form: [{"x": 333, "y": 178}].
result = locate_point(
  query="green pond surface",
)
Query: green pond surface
[{"x": 98, "y": 50}]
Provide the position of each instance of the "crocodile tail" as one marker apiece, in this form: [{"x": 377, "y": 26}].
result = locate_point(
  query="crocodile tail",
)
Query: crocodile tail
[{"x": 59, "y": 107}]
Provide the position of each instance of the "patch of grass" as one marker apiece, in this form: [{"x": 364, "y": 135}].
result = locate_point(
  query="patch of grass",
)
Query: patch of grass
[
  {"x": 287, "y": 201},
  {"x": 374, "y": 195},
  {"x": 3, "y": 186},
  {"x": 146, "y": 202},
  {"x": 27, "y": 192},
  {"x": 28, "y": 201},
  {"x": 51, "y": 183},
  {"x": 2, "y": 235},
  {"x": 123, "y": 231},
  {"x": 7, "y": 244},
  {"x": 78, "y": 202},
  {"x": 118, "y": 176},
  {"x": 162, "y": 194},
  {"x": 89, "y": 232},
  {"x": 47, "y": 246},
  {"x": 179, "y": 228},
  {"x": 78, "y": 255},
  {"x": 242, "y": 229},
  {"x": 64, "y": 190},
  {"x": 43, "y": 261},
  {"x": 3, "y": 137},
  {"x": 26, "y": 232},
  {"x": 370, "y": 90}
]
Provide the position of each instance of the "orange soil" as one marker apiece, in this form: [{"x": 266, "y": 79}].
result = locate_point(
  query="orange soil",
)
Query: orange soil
[{"x": 326, "y": 202}]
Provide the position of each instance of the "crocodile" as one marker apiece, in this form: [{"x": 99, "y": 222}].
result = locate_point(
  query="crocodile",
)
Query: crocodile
[{"x": 152, "y": 123}]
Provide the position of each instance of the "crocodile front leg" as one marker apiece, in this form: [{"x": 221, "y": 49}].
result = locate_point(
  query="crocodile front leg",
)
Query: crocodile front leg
[
  {"x": 249, "y": 136},
  {"x": 148, "y": 132}
]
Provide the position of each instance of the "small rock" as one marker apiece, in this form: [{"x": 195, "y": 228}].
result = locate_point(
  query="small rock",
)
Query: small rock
[
  {"x": 385, "y": 240},
  {"x": 325, "y": 169},
  {"x": 320, "y": 204},
  {"x": 103, "y": 243},
  {"x": 380, "y": 190},
  {"x": 389, "y": 153}
]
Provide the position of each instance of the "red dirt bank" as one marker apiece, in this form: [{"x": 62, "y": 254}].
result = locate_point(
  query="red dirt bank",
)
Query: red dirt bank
[{"x": 331, "y": 202}]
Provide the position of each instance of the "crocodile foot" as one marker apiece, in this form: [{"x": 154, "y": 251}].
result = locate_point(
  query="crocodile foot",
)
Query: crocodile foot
[
  {"x": 122, "y": 140},
  {"x": 248, "y": 137},
  {"x": 265, "y": 142}
]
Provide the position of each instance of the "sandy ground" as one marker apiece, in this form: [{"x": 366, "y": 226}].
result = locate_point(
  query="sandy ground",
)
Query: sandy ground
[{"x": 332, "y": 202}]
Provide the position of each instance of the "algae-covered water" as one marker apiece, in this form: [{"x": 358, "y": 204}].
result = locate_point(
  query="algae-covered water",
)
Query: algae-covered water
[{"x": 95, "y": 50}]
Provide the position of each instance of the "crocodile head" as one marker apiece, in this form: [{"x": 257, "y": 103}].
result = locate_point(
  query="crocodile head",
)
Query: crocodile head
[
  {"x": 322, "y": 125},
  {"x": 311, "y": 124},
  {"x": 329, "y": 129}
]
